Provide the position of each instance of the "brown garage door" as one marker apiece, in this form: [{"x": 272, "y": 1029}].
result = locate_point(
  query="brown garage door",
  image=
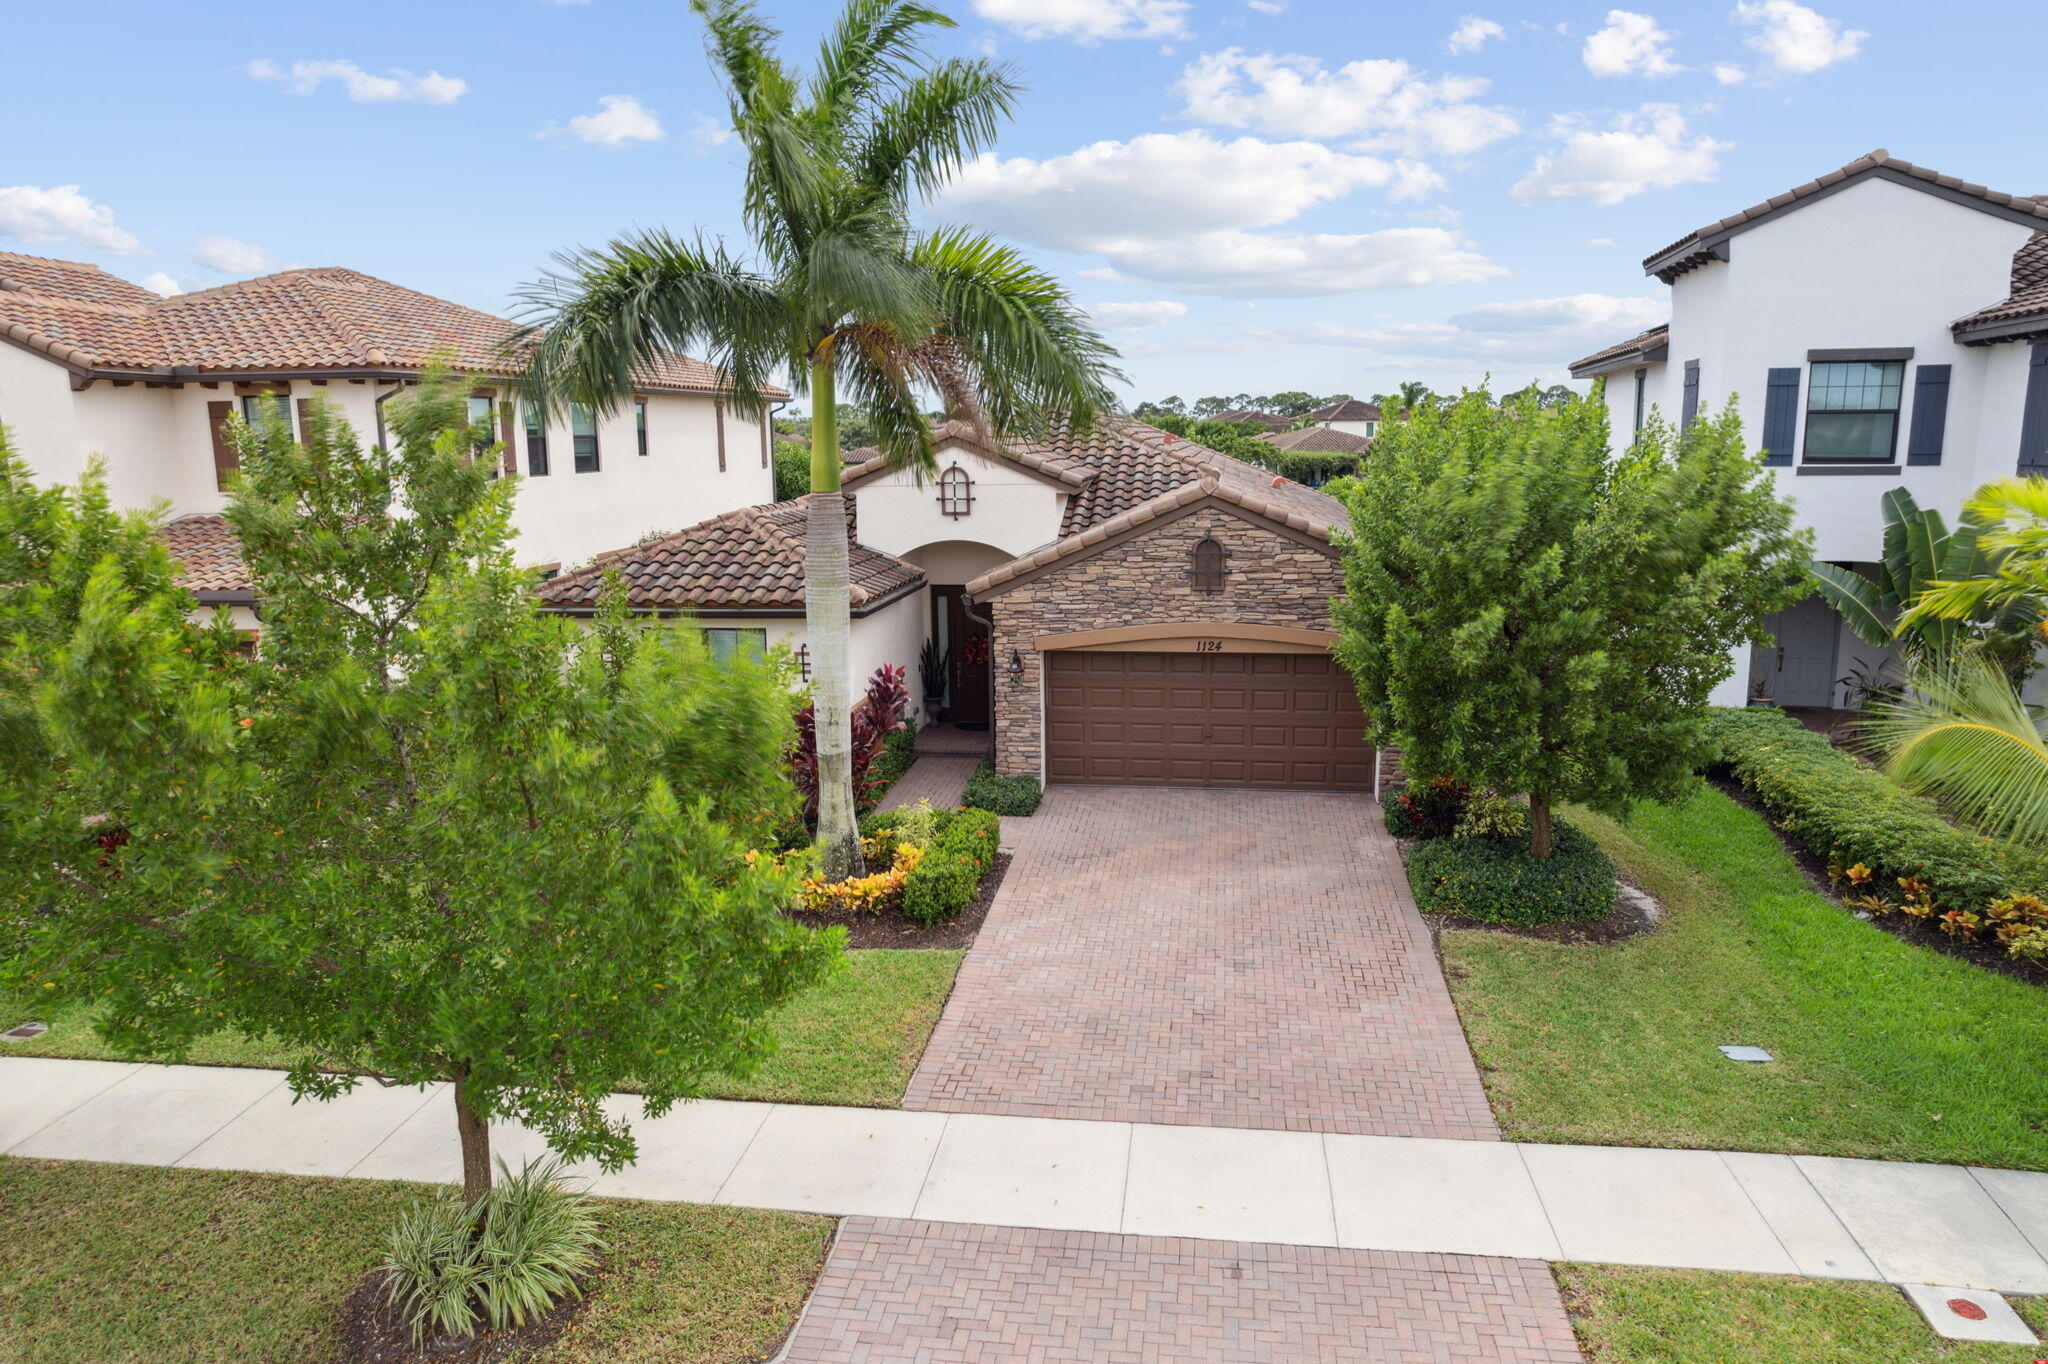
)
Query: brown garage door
[{"x": 1278, "y": 721}]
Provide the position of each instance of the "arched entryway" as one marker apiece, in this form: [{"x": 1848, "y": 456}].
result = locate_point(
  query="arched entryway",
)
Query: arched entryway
[{"x": 959, "y": 631}]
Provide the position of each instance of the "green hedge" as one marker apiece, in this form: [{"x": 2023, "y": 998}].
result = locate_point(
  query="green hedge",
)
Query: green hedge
[
  {"x": 1000, "y": 795},
  {"x": 899, "y": 751},
  {"x": 1496, "y": 880},
  {"x": 1846, "y": 812},
  {"x": 949, "y": 876}
]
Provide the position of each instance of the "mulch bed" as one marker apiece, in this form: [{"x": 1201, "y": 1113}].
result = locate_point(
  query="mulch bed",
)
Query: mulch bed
[
  {"x": 373, "y": 1331},
  {"x": 1919, "y": 932},
  {"x": 893, "y": 930}
]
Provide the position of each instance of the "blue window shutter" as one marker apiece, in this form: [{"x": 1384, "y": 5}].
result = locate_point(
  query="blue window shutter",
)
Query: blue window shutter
[
  {"x": 1781, "y": 416},
  {"x": 1930, "y": 414},
  {"x": 1691, "y": 407},
  {"x": 2034, "y": 419}
]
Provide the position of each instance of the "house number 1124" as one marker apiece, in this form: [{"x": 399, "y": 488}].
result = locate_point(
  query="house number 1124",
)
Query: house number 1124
[{"x": 1208, "y": 646}]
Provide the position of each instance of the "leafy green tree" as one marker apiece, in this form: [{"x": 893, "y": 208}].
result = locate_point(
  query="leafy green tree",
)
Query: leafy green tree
[
  {"x": 1525, "y": 612},
  {"x": 844, "y": 293},
  {"x": 425, "y": 833}
]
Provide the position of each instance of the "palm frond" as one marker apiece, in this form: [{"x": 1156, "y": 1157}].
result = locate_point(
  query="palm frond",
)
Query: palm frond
[
  {"x": 875, "y": 371},
  {"x": 937, "y": 122},
  {"x": 1961, "y": 734},
  {"x": 592, "y": 326},
  {"x": 874, "y": 43},
  {"x": 1034, "y": 357}
]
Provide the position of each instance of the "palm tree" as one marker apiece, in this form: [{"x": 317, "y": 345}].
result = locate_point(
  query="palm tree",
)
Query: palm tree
[
  {"x": 1961, "y": 733},
  {"x": 842, "y": 294},
  {"x": 2010, "y": 582}
]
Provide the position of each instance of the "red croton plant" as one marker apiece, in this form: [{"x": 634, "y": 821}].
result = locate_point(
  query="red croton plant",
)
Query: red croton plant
[{"x": 880, "y": 713}]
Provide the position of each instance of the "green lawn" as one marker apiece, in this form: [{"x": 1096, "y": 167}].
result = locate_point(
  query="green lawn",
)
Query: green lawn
[
  {"x": 1884, "y": 1049},
  {"x": 1672, "y": 1316},
  {"x": 853, "y": 1040},
  {"x": 115, "y": 1263}
]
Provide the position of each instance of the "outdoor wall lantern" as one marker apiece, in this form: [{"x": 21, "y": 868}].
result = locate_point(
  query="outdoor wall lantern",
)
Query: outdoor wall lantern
[{"x": 1016, "y": 665}]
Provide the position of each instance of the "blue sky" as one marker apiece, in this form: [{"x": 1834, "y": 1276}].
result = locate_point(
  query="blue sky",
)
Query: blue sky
[{"x": 1251, "y": 196}]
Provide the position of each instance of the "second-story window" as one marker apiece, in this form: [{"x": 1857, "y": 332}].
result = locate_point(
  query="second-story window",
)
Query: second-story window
[
  {"x": 1642, "y": 393},
  {"x": 261, "y": 409},
  {"x": 956, "y": 492},
  {"x": 479, "y": 424},
  {"x": 640, "y": 424},
  {"x": 1852, "y": 412},
  {"x": 536, "y": 442},
  {"x": 583, "y": 436}
]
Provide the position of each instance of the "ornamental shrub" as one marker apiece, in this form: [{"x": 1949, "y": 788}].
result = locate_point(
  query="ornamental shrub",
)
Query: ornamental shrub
[
  {"x": 947, "y": 879},
  {"x": 1000, "y": 795},
  {"x": 1497, "y": 880},
  {"x": 1490, "y": 815},
  {"x": 1853, "y": 817},
  {"x": 1430, "y": 810}
]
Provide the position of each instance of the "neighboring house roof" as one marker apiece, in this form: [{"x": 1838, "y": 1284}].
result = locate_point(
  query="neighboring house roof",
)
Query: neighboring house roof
[
  {"x": 206, "y": 547},
  {"x": 315, "y": 321},
  {"x": 2024, "y": 313},
  {"x": 746, "y": 562},
  {"x": 1347, "y": 410},
  {"x": 1644, "y": 348},
  {"x": 1318, "y": 439},
  {"x": 1709, "y": 243},
  {"x": 1246, "y": 414}
]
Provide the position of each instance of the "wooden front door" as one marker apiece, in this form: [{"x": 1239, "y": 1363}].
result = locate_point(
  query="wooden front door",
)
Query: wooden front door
[{"x": 967, "y": 647}]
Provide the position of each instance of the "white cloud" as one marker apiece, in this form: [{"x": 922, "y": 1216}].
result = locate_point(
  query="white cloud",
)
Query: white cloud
[
  {"x": 1472, "y": 33},
  {"x": 1647, "y": 149},
  {"x": 1099, "y": 272},
  {"x": 1088, "y": 21},
  {"x": 1268, "y": 6},
  {"x": 1126, "y": 317},
  {"x": 620, "y": 119},
  {"x": 1605, "y": 241},
  {"x": 1798, "y": 41},
  {"x": 1573, "y": 313},
  {"x": 1728, "y": 73},
  {"x": 363, "y": 87},
  {"x": 157, "y": 282},
  {"x": 707, "y": 132},
  {"x": 1105, "y": 198},
  {"x": 1630, "y": 45},
  {"x": 231, "y": 256},
  {"x": 62, "y": 213},
  {"x": 1386, "y": 104}
]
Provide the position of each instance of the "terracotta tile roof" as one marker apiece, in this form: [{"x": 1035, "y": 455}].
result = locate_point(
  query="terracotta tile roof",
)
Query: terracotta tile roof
[
  {"x": 206, "y": 547},
  {"x": 2027, "y": 304},
  {"x": 1056, "y": 461},
  {"x": 1637, "y": 349},
  {"x": 750, "y": 559},
  {"x": 1142, "y": 473},
  {"x": 323, "y": 320},
  {"x": 1347, "y": 410},
  {"x": 1318, "y": 438},
  {"x": 1675, "y": 259}
]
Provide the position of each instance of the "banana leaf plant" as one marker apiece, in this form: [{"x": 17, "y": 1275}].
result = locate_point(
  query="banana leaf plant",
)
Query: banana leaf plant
[{"x": 1920, "y": 552}]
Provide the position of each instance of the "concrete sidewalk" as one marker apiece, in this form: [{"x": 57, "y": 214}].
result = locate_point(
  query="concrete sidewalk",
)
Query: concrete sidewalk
[{"x": 1819, "y": 1216}]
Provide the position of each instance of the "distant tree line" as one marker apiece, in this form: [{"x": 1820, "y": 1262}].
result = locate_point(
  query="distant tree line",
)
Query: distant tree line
[{"x": 1297, "y": 405}]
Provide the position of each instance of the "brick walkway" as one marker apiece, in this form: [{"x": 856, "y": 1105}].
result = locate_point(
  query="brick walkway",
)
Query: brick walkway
[
  {"x": 941, "y": 1293},
  {"x": 1224, "y": 958},
  {"x": 938, "y": 778}
]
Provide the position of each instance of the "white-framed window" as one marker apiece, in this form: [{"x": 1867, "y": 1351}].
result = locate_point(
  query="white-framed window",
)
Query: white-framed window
[
  {"x": 583, "y": 437},
  {"x": 725, "y": 644},
  {"x": 1852, "y": 412},
  {"x": 536, "y": 443},
  {"x": 640, "y": 425}
]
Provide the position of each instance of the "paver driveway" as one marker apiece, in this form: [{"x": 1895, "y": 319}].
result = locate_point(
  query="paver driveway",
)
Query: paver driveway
[{"x": 1225, "y": 958}]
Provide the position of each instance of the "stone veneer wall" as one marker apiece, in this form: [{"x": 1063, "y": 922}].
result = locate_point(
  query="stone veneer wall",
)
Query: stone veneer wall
[{"x": 1271, "y": 579}]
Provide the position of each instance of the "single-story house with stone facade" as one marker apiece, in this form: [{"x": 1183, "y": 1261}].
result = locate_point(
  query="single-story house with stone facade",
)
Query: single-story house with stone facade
[{"x": 1119, "y": 608}]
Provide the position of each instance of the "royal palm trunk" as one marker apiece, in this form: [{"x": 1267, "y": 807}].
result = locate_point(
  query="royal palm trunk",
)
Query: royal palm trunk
[{"x": 825, "y": 621}]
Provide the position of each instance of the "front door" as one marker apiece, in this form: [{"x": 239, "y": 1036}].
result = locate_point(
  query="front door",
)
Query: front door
[
  {"x": 1799, "y": 668},
  {"x": 966, "y": 643}
]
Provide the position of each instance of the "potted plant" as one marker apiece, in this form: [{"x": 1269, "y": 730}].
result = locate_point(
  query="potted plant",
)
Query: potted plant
[
  {"x": 931, "y": 671},
  {"x": 1760, "y": 692}
]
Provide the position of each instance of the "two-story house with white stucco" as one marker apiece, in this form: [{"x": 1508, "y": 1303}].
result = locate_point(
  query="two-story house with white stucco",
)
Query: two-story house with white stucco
[
  {"x": 1882, "y": 326},
  {"x": 92, "y": 364}
]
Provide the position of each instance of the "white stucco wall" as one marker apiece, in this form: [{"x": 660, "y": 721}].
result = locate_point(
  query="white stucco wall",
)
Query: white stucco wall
[
  {"x": 1012, "y": 510},
  {"x": 36, "y": 409},
  {"x": 893, "y": 634},
  {"x": 1359, "y": 428},
  {"x": 1876, "y": 265},
  {"x": 956, "y": 561}
]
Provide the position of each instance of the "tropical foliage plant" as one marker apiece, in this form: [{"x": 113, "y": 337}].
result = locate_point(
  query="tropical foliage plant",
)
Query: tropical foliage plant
[
  {"x": 880, "y": 714},
  {"x": 2006, "y": 587},
  {"x": 1960, "y": 733},
  {"x": 1525, "y": 612},
  {"x": 843, "y": 294},
  {"x": 1938, "y": 590},
  {"x": 424, "y": 833}
]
